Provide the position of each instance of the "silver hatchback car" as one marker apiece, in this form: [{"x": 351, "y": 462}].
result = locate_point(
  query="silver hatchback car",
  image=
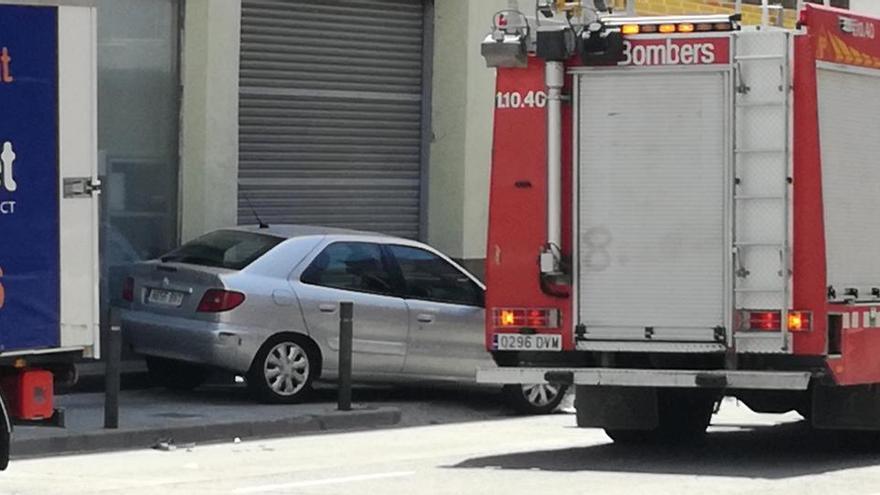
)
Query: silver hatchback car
[{"x": 264, "y": 303}]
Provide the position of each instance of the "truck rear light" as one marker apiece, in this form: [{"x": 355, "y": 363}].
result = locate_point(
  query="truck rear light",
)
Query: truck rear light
[
  {"x": 667, "y": 28},
  {"x": 128, "y": 289},
  {"x": 763, "y": 320},
  {"x": 219, "y": 300},
  {"x": 686, "y": 27},
  {"x": 800, "y": 321},
  {"x": 526, "y": 317}
]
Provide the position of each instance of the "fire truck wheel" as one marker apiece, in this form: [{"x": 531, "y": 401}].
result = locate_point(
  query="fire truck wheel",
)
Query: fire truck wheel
[
  {"x": 683, "y": 418},
  {"x": 535, "y": 399},
  {"x": 175, "y": 375}
]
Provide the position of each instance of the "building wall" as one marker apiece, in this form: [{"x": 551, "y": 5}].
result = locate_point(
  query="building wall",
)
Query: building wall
[
  {"x": 209, "y": 116},
  {"x": 461, "y": 146}
]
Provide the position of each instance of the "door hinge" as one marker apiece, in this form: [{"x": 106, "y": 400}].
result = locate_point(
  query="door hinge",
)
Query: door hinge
[{"x": 81, "y": 187}]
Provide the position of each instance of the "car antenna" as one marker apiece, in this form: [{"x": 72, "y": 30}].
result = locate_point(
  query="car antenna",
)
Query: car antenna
[{"x": 262, "y": 224}]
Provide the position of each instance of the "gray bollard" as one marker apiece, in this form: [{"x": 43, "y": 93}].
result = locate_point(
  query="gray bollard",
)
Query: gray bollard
[
  {"x": 346, "y": 313},
  {"x": 111, "y": 371}
]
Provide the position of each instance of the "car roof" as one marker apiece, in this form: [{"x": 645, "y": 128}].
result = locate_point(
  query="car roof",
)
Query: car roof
[{"x": 290, "y": 231}]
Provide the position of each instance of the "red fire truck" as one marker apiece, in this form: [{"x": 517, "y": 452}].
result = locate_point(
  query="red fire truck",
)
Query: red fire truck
[{"x": 682, "y": 208}]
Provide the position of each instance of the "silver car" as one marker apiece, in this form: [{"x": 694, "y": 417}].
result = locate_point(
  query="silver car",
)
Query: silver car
[{"x": 264, "y": 303}]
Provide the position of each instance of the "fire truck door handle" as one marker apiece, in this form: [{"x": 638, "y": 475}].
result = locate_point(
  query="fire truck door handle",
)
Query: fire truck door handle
[
  {"x": 783, "y": 263},
  {"x": 425, "y": 318},
  {"x": 740, "y": 268}
]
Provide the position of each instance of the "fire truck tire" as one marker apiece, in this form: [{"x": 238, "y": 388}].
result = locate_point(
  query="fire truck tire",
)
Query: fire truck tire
[
  {"x": 175, "y": 375},
  {"x": 535, "y": 399},
  {"x": 683, "y": 415}
]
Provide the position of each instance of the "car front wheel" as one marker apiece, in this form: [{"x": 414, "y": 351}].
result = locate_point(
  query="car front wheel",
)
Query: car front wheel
[
  {"x": 541, "y": 398},
  {"x": 283, "y": 370}
]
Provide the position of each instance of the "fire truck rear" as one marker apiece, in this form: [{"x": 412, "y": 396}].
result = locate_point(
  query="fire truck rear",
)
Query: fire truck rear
[{"x": 683, "y": 208}]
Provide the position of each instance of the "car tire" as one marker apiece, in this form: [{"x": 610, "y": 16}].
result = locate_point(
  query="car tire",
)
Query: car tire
[
  {"x": 535, "y": 399},
  {"x": 283, "y": 370},
  {"x": 175, "y": 375}
]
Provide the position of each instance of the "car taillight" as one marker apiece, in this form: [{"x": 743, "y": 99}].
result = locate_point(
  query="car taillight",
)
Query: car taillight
[
  {"x": 526, "y": 317},
  {"x": 219, "y": 300},
  {"x": 128, "y": 289}
]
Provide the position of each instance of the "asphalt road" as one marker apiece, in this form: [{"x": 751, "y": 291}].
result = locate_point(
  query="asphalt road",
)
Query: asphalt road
[{"x": 744, "y": 453}]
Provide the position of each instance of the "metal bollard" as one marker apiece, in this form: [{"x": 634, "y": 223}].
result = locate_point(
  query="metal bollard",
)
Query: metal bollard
[
  {"x": 346, "y": 313},
  {"x": 111, "y": 370}
]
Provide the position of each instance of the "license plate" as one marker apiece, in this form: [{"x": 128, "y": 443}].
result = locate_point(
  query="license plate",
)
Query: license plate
[
  {"x": 527, "y": 342},
  {"x": 165, "y": 297}
]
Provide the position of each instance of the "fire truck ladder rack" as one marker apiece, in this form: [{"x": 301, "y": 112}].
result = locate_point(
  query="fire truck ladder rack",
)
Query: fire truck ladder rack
[{"x": 761, "y": 190}]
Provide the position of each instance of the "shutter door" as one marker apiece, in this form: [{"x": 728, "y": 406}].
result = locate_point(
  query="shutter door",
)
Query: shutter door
[
  {"x": 330, "y": 113},
  {"x": 848, "y": 131},
  {"x": 651, "y": 205}
]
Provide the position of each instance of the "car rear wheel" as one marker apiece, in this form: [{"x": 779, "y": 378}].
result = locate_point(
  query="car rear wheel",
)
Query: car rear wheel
[
  {"x": 542, "y": 398},
  {"x": 283, "y": 370},
  {"x": 175, "y": 375}
]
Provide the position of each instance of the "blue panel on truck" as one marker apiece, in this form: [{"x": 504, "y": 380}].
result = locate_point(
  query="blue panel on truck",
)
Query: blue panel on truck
[{"x": 29, "y": 184}]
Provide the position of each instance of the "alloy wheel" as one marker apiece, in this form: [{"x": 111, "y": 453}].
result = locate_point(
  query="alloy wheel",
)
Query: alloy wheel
[
  {"x": 540, "y": 394},
  {"x": 286, "y": 369}
]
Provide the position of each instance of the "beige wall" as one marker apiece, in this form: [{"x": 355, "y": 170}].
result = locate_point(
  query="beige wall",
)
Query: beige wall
[
  {"x": 462, "y": 127},
  {"x": 460, "y": 152},
  {"x": 209, "y": 116}
]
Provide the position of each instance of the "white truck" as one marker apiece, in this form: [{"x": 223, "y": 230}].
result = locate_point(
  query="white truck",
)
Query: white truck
[{"x": 49, "y": 311}]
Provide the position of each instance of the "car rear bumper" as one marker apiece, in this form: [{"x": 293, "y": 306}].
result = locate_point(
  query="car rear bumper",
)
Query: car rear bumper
[{"x": 213, "y": 344}]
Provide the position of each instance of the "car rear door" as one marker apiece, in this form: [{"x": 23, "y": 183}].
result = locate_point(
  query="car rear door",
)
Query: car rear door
[
  {"x": 446, "y": 315},
  {"x": 357, "y": 272}
]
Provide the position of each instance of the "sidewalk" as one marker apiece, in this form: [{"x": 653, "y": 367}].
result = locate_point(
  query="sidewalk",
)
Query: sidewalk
[{"x": 151, "y": 417}]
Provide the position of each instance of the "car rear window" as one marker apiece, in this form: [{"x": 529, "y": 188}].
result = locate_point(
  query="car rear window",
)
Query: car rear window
[{"x": 233, "y": 249}]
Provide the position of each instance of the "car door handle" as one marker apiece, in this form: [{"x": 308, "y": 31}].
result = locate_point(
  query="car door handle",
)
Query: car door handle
[
  {"x": 425, "y": 318},
  {"x": 327, "y": 308}
]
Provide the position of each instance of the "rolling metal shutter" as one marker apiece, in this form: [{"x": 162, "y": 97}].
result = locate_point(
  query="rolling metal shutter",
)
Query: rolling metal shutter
[
  {"x": 849, "y": 130},
  {"x": 331, "y": 113},
  {"x": 651, "y": 218}
]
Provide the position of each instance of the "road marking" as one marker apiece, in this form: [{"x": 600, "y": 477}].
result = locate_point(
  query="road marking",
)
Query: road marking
[{"x": 328, "y": 481}]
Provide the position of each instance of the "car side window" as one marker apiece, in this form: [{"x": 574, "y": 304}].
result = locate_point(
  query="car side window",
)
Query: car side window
[
  {"x": 355, "y": 266},
  {"x": 430, "y": 277}
]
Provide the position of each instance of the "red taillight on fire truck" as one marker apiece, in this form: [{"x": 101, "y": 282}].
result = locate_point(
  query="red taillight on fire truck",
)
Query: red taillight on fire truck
[
  {"x": 771, "y": 321},
  {"x": 765, "y": 320},
  {"x": 218, "y": 300},
  {"x": 528, "y": 318}
]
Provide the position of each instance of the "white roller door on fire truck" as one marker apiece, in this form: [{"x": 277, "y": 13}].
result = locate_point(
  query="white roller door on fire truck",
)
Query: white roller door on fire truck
[
  {"x": 848, "y": 126},
  {"x": 652, "y": 203}
]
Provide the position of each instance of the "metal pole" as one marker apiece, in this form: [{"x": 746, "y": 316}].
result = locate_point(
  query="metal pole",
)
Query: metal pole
[
  {"x": 554, "y": 77},
  {"x": 346, "y": 314},
  {"x": 111, "y": 371}
]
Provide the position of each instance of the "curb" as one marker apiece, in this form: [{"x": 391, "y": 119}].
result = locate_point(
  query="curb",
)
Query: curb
[{"x": 143, "y": 438}]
